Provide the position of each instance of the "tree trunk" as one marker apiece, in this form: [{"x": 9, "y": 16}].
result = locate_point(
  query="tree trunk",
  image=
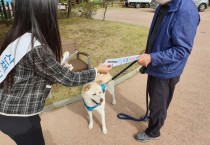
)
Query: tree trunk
[
  {"x": 69, "y": 8},
  {"x": 105, "y": 12},
  {"x": 9, "y": 11},
  {"x": 104, "y": 2},
  {"x": 5, "y": 13}
]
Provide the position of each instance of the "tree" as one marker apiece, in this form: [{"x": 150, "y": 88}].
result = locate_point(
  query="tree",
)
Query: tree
[
  {"x": 5, "y": 12},
  {"x": 105, "y": 11},
  {"x": 69, "y": 8}
]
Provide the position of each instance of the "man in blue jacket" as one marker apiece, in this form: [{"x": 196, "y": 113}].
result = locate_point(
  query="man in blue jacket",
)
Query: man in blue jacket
[{"x": 169, "y": 45}]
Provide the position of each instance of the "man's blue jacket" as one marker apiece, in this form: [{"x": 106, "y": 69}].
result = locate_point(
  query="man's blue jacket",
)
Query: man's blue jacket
[{"x": 174, "y": 41}]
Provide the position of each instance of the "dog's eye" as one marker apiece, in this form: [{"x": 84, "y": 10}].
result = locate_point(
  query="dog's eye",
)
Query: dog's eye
[
  {"x": 100, "y": 92},
  {"x": 94, "y": 94}
]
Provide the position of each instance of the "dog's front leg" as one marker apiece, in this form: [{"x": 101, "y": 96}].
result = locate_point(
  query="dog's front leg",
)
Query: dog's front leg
[
  {"x": 102, "y": 113},
  {"x": 90, "y": 113}
]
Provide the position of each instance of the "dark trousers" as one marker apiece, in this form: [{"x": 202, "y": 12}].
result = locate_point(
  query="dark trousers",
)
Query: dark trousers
[
  {"x": 23, "y": 130},
  {"x": 160, "y": 93}
]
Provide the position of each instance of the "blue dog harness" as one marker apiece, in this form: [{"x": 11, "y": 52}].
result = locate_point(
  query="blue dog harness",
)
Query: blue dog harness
[
  {"x": 103, "y": 86},
  {"x": 89, "y": 108}
]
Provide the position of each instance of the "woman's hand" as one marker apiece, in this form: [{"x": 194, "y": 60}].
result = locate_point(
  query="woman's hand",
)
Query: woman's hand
[{"x": 104, "y": 69}]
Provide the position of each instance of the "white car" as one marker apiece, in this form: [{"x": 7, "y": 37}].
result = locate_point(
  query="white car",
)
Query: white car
[
  {"x": 62, "y": 6},
  {"x": 137, "y": 3},
  {"x": 200, "y": 4},
  {"x": 154, "y": 4}
]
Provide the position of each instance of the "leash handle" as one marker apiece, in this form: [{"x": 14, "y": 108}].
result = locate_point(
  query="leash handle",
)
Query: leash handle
[{"x": 128, "y": 117}]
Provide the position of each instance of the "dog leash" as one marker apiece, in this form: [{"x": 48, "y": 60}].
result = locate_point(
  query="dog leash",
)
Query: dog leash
[
  {"x": 126, "y": 116},
  {"x": 142, "y": 118}
]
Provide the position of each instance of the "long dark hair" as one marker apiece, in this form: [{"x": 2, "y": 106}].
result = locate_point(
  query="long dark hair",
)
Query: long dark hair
[{"x": 38, "y": 17}]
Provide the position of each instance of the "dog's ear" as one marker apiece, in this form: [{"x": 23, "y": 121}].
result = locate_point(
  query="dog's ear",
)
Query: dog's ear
[
  {"x": 99, "y": 82},
  {"x": 87, "y": 87}
]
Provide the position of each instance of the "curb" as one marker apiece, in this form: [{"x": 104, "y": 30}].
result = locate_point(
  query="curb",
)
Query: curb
[{"x": 74, "y": 99}]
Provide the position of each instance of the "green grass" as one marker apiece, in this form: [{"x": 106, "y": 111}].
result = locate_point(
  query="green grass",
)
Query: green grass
[{"x": 102, "y": 40}]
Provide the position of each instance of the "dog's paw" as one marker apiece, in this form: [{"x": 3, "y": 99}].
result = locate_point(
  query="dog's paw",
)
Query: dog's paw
[
  {"x": 90, "y": 126},
  {"x": 104, "y": 130}
]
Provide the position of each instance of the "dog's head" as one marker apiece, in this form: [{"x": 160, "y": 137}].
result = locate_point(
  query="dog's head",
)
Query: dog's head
[{"x": 94, "y": 92}]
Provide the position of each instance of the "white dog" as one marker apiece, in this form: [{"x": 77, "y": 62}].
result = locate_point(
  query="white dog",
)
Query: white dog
[{"x": 93, "y": 95}]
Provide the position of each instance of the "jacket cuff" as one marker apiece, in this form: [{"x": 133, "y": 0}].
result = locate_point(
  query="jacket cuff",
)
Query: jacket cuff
[{"x": 153, "y": 59}]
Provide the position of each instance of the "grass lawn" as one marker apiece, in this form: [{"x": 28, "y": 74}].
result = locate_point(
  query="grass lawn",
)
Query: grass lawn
[{"x": 102, "y": 40}]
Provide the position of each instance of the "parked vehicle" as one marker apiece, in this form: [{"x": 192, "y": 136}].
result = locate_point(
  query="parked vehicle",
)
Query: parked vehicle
[
  {"x": 153, "y": 4},
  {"x": 62, "y": 6},
  {"x": 200, "y": 4},
  {"x": 137, "y": 3}
]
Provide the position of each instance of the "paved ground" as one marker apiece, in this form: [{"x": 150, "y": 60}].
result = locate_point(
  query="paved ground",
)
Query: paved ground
[{"x": 188, "y": 116}]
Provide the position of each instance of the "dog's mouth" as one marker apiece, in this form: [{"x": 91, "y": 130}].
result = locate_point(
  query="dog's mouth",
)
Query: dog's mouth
[{"x": 98, "y": 103}]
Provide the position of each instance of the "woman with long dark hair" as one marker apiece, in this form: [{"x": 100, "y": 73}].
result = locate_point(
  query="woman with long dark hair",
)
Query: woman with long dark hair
[{"x": 29, "y": 65}]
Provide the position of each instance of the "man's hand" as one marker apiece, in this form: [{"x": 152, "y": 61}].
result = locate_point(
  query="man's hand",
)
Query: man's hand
[
  {"x": 144, "y": 59},
  {"x": 143, "y": 52}
]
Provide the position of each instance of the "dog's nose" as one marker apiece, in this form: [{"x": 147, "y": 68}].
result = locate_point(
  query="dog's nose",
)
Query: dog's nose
[{"x": 101, "y": 100}]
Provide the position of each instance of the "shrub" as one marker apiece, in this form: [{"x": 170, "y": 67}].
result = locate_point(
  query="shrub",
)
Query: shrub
[{"x": 87, "y": 9}]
